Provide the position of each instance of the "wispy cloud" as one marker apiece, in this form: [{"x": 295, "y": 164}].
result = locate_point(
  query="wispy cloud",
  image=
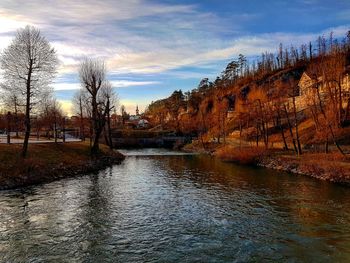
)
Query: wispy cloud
[
  {"x": 80, "y": 28},
  {"x": 67, "y": 107},
  {"x": 61, "y": 86},
  {"x": 128, "y": 83},
  {"x": 150, "y": 39},
  {"x": 139, "y": 36},
  {"x": 166, "y": 59}
]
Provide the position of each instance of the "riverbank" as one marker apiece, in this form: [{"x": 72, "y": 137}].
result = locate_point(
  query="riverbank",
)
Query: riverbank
[
  {"x": 331, "y": 167},
  {"x": 48, "y": 162}
]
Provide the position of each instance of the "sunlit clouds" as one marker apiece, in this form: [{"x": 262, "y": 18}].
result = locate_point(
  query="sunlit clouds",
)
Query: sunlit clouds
[{"x": 146, "y": 44}]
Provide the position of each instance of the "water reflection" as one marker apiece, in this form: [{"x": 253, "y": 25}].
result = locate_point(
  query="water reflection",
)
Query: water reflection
[{"x": 172, "y": 208}]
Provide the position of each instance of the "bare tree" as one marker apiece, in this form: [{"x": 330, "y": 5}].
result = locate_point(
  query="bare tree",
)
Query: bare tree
[
  {"x": 13, "y": 102},
  {"x": 79, "y": 104},
  {"x": 51, "y": 116},
  {"x": 29, "y": 65},
  {"x": 92, "y": 74},
  {"x": 110, "y": 101}
]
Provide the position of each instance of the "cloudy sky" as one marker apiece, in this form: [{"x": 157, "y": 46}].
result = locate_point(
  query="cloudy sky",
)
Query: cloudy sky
[{"x": 154, "y": 47}]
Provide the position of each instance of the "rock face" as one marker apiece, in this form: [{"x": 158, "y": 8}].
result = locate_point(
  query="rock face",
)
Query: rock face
[{"x": 44, "y": 174}]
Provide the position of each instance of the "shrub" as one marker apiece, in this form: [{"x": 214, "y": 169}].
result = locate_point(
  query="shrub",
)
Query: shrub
[{"x": 244, "y": 155}]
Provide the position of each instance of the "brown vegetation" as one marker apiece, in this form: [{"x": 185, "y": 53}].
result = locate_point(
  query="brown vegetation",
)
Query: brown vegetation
[
  {"x": 293, "y": 103},
  {"x": 332, "y": 167},
  {"x": 265, "y": 97},
  {"x": 47, "y": 162},
  {"x": 243, "y": 155}
]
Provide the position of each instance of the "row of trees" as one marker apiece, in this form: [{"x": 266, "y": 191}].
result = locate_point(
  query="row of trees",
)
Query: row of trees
[
  {"x": 285, "y": 57},
  {"x": 49, "y": 120},
  {"x": 29, "y": 65}
]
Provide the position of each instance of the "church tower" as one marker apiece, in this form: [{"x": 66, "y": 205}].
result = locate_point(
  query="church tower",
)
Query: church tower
[{"x": 137, "y": 110}]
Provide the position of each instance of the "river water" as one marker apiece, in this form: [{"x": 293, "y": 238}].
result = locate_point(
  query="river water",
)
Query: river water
[{"x": 160, "y": 206}]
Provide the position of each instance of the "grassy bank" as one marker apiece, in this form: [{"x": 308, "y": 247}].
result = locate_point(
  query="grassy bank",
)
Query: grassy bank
[
  {"x": 242, "y": 155},
  {"x": 330, "y": 167},
  {"x": 48, "y": 162}
]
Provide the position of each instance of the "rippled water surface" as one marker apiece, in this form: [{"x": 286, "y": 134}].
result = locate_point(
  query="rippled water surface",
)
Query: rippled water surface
[{"x": 177, "y": 208}]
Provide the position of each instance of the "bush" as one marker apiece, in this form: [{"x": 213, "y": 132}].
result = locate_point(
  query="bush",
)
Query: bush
[{"x": 244, "y": 155}]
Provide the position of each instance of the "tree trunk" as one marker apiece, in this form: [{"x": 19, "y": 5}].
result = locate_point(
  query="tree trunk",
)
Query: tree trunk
[
  {"x": 99, "y": 125},
  {"x": 105, "y": 136},
  {"x": 95, "y": 146},
  {"x": 64, "y": 130},
  {"x": 290, "y": 130},
  {"x": 328, "y": 124},
  {"x": 55, "y": 130},
  {"x": 82, "y": 134},
  {"x": 296, "y": 127},
  {"x": 240, "y": 134},
  {"x": 224, "y": 126},
  {"x": 109, "y": 129},
  {"x": 91, "y": 134},
  {"x": 264, "y": 128},
  {"x": 27, "y": 114},
  {"x": 340, "y": 110},
  {"x": 106, "y": 132},
  {"x": 16, "y": 120},
  {"x": 95, "y": 133},
  {"x": 8, "y": 127},
  {"x": 257, "y": 134},
  {"x": 281, "y": 129},
  {"x": 346, "y": 116}
]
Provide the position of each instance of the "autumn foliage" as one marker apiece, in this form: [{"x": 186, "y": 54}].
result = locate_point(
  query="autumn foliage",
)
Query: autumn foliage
[{"x": 262, "y": 99}]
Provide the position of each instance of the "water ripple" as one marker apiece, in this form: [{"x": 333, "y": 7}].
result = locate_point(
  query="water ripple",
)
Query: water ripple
[{"x": 176, "y": 208}]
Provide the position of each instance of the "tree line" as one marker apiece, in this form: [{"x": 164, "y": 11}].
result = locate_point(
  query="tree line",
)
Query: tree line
[
  {"x": 257, "y": 99},
  {"x": 29, "y": 65}
]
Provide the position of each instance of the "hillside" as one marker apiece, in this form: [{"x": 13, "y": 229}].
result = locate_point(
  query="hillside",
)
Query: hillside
[{"x": 295, "y": 98}]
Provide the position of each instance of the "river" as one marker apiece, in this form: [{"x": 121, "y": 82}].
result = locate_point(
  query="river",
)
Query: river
[{"x": 160, "y": 206}]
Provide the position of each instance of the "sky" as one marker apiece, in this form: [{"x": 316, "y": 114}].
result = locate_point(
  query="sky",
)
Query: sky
[{"x": 152, "y": 48}]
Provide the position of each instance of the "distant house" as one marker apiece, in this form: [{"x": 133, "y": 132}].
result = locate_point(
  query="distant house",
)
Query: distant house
[
  {"x": 143, "y": 123},
  {"x": 308, "y": 90},
  {"x": 134, "y": 117}
]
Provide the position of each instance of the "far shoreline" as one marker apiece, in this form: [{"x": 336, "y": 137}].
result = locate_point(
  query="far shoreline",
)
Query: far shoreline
[{"x": 329, "y": 167}]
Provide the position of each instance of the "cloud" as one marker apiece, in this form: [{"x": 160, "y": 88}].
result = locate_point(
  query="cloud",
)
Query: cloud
[
  {"x": 67, "y": 107},
  {"x": 141, "y": 38},
  {"x": 138, "y": 36},
  {"x": 129, "y": 83},
  {"x": 64, "y": 86},
  {"x": 87, "y": 11},
  {"x": 165, "y": 59},
  {"x": 119, "y": 30},
  {"x": 10, "y": 23}
]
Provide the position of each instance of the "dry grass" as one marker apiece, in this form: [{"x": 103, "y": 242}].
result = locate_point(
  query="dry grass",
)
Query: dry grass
[
  {"x": 197, "y": 146},
  {"x": 49, "y": 153},
  {"x": 331, "y": 167},
  {"x": 46, "y": 159},
  {"x": 244, "y": 155}
]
